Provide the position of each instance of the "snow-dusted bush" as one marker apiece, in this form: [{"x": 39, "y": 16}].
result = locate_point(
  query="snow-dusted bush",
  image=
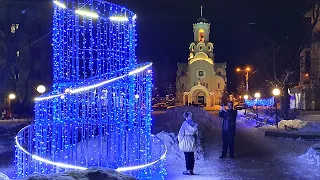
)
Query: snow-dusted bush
[
  {"x": 312, "y": 156},
  {"x": 3, "y": 176},
  {"x": 300, "y": 125},
  {"x": 90, "y": 174},
  {"x": 174, "y": 153},
  {"x": 171, "y": 122}
]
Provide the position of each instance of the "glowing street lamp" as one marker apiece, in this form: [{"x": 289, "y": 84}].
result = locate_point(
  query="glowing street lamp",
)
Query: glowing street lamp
[
  {"x": 41, "y": 89},
  {"x": 257, "y": 96},
  {"x": 245, "y": 97},
  {"x": 10, "y": 98},
  {"x": 247, "y": 76},
  {"x": 276, "y": 92}
]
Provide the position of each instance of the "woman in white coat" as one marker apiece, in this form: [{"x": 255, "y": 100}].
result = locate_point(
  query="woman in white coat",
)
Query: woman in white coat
[{"x": 187, "y": 137}]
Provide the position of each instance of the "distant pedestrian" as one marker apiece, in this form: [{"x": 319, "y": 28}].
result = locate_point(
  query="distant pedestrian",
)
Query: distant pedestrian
[
  {"x": 3, "y": 114},
  {"x": 228, "y": 129},
  {"x": 188, "y": 138}
]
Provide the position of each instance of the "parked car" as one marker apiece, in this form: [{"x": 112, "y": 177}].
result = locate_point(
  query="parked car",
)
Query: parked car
[
  {"x": 160, "y": 106},
  {"x": 241, "y": 106}
]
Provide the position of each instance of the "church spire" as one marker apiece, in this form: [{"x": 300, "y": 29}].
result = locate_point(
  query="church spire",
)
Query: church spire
[{"x": 201, "y": 10}]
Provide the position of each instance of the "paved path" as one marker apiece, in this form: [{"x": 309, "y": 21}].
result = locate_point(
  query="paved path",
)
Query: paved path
[{"x": 257, "y": 157}]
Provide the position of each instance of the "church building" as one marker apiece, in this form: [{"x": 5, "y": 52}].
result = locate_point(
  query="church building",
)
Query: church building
[{"x": 201, "y": 80}]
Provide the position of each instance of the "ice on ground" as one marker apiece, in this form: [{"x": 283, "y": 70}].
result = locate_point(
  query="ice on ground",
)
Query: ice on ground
[
  {"x": 90, "y": 174},
  {"x": 3, "y": 176},
  {"x": 312, "y": 156},
  {"x": 174, "y": 153}
]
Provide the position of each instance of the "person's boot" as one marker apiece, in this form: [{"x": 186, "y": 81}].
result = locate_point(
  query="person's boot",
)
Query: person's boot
[
  {"x": 187, "y": 172},
  {"x": 191, "y": 172}
]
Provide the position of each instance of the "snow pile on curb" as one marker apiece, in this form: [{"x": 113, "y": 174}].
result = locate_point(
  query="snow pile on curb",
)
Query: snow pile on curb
[
  {"x": 174, "y": 153},
  {"x": 90, "y": 174},
  {"x": 300, "y": 125},
  {"x": 312, "y": 156},
  {"x": 3, "y": 176}
]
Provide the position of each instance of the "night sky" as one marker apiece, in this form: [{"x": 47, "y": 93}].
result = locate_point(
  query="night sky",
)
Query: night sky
[{"x": 240, "y": 30}]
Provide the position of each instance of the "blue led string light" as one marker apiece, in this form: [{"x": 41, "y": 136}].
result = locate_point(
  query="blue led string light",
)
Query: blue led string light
[
  {"x": 260, "y": 102},
  {"x": 99, "y": 112}
]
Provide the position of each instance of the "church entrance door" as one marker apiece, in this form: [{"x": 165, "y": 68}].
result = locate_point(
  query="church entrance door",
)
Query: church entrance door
[{"x": 201, "y": 100}]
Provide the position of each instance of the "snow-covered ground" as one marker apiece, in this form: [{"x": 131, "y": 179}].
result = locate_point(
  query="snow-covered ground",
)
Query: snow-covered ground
[
  {"x": 312, "y": 156},
  {"x": 90, "y": 174},
  {"x": 8, "y": 130},
  {"x": 257, "y": 157}
]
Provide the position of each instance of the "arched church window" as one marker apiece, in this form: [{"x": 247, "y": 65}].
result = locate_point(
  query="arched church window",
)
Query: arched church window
[
  {"x": 192, "y": 48},
  {"x": 218, "y": 85},
  {"x": 200, "y": 48},
  {"x": 209, "y": 48},
  {"x": 201, "y": 35}
]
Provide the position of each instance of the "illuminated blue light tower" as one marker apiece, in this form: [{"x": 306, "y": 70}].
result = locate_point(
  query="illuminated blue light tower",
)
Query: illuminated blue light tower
[{"x": 99, "y": 112}]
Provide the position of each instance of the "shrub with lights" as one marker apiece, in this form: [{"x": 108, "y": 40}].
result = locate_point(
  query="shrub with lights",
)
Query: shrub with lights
[
  {"x": 99, "y": 112},
  {"x": 260, "y": 102}
]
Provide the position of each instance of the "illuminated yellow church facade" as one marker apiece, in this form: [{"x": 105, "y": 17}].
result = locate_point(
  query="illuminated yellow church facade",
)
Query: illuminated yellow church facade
[{"x": 201, "y": 80}]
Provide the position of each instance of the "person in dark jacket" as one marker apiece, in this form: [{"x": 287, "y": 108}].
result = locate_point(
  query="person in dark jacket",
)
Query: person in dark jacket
[{"x": 228, "y": 129}]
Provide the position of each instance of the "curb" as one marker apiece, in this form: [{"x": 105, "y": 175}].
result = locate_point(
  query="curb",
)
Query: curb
[{"x": 293, "y": 136}]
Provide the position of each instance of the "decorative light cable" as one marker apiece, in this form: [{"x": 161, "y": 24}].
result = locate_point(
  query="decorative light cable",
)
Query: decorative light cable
[
  {"x": 99, "y": 112},
  {"x": 58, "y": 3},
  {"x": 86, "y": 88}
]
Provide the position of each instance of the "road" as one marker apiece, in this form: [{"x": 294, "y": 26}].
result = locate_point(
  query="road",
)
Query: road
[{"x": 257, "y": 157}]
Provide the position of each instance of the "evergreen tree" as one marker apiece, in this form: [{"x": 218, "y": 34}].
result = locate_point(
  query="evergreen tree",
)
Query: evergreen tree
[
  {"x": 225, "y": 96},
  {"x": 241, "y": 89}
]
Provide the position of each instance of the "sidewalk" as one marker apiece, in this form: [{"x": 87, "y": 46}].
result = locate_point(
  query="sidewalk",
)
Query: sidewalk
[{"x": 292, "y": 134}]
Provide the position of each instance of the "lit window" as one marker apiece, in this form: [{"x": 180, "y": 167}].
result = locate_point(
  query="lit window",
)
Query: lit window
[
  {"x": 201, "y": 35},
  {"x": 18, "y": 53}
]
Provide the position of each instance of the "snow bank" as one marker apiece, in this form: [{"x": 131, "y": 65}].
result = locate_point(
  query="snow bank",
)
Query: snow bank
[
  {"x": 174, "y": 153},
  {"x": 90, "y": 174},
  {"x": 173, "y": 118},
  {"x": 300, "y": 126},
  {"x": 3, "y": 176},
  {"x": 312, "y": 156}
]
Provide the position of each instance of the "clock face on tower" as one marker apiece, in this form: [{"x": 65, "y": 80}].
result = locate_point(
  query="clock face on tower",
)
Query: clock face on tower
[{"x": 201, "y": 74}]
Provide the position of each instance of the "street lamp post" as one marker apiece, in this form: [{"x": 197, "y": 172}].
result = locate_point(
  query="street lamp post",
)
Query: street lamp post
[
  {"x": 10, "y": 98},
  {"x": 257, "y": 96},
  {"x": 276, "y": 93},
  {"x": 247, "y": 76}
]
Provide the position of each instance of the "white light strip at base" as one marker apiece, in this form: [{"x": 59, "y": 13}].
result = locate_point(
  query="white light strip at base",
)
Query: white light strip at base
[{"x": 62, "y": 165}]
